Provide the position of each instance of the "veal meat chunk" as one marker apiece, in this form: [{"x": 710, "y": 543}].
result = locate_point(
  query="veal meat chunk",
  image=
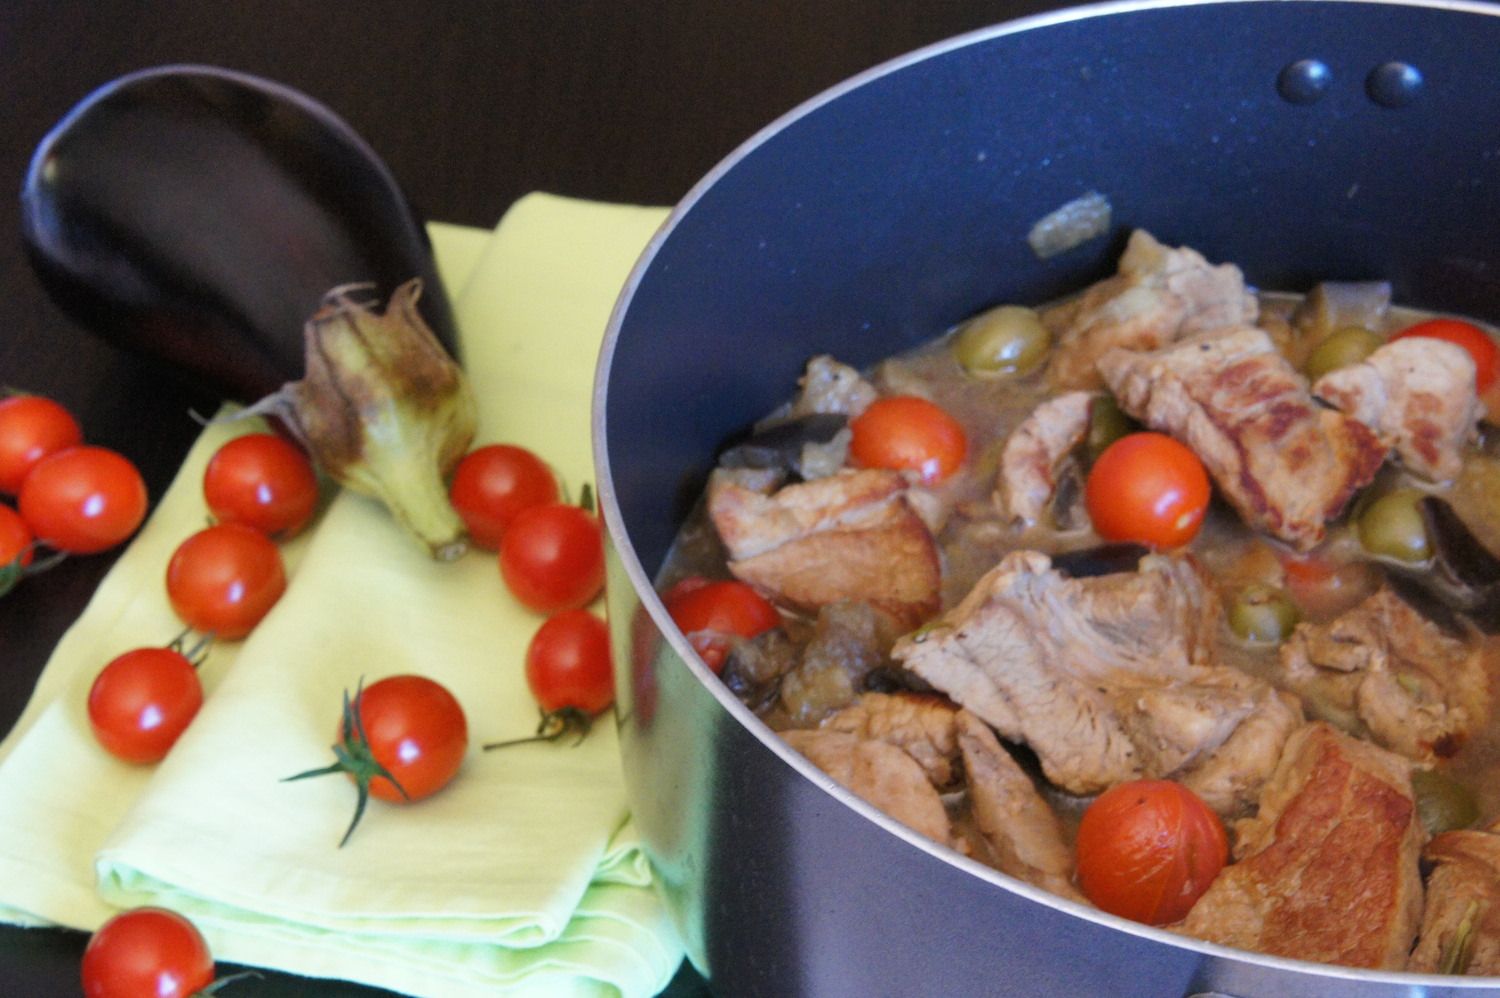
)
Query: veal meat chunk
[
  {"x": 920, "y": 724},
  {"x": 881, "y": 773},
  {"x": 1021, "y": 833},
  {"x": 1107, "y": 678},
  {"x": 829, "y": 386},
  {"x": 1285, "y": 463},
  {"x": 1158, "y": 295},
  {"x": 850, "y": 536},
  {"x": 1032, "y": 453},
  {"x": 1328, "y": 867},
  {"x": 1384, "y": 668},
  {"x": 1418, "y": 396},
  {"x": 1461, "y": 923}
]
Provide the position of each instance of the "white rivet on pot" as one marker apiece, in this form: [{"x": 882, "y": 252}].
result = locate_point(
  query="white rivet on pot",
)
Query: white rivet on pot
[
  {"x": 1304, "y": 81},
  {"x": 1394, "y": 84}
]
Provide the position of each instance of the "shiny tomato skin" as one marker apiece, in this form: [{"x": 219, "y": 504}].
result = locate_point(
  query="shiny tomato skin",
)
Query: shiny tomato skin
[
  {"x": 1481, "y": 347},
  {"x": 416, "y": 730},
  {"x": 224, "y": 579},
  {"x": 146, "y": 953},
  {"x": 494, "y": 483},
  {"x": 31, "y": 427},
  {"x": 142, "y": 701},
  {"x": 552, "y": 558},
  {"x": 908, "y": 433},
  {"x": 15, "y": 538},
  {"x": 1147, "y": 487},
  {"x": 262, "y": 481},
  {"x": 713, "y": 614},
  {"x": 83, "y": 499},
  {"x": 1147, "y": 850},
  {"x": 568, "y": 664}
]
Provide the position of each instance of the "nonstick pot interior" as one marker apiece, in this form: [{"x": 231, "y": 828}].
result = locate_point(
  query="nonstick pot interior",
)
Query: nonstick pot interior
[{"x": 1301, "y": 140}]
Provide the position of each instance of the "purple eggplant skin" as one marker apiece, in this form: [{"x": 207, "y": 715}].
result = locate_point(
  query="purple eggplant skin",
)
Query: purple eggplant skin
[{"x": 198, "y": 216}]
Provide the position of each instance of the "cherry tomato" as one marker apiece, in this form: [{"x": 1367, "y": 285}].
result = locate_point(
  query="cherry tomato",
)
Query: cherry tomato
[
  {"x": 31, "y": 427},
  {"x": 83, "y": 499},
  {"x": 552, "y": 557},
  {"x": 416, "y": 730},
  {"x": 494, "y": 483},
  {"x": 1148, "y": 849},
  {"x": 15, "y": 539},
  {"x": 224, "y": 579},
  {"x": 1467, "y": 335},
  {"x": 142, "y": 701},
  {"x": 262, "y": 481},
  {"x": 568, "y": 664},
  {"x": 146, "y": 953},
  {"x": 905, "y": 432},
  {"x": 1147, "y": 487},
  {"x": 713, "y": 614}
]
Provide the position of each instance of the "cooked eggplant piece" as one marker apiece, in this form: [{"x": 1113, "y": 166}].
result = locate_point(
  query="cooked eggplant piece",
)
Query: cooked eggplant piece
[
  {"x": 199, "y": 216},
  {"x": 781, "y": 446},
  {"x": 1463, "y": 575},
  {"x": 1104, "y": 559}
]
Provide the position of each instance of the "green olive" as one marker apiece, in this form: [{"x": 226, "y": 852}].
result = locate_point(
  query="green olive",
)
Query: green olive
[
  {"x": 1443, "y": 803},
  {"x": 1107, "y": 423},
  {"x": 1007, "y": 339},
  {"x": 1262, "y": 614},
  {"x": 1392, "y": 526},
  {"x": 1340, "y": 348}
]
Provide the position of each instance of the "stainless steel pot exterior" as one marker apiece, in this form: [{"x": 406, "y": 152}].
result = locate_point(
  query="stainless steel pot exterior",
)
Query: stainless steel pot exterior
[{"x": 1301, "y": 139}]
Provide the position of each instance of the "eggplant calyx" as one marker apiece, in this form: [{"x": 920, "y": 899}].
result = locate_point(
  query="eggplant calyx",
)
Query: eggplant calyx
[{"x": 383, "y": 410}]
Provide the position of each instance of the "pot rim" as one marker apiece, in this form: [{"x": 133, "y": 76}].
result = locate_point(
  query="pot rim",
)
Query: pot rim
[{"x": 645, "y": 589}]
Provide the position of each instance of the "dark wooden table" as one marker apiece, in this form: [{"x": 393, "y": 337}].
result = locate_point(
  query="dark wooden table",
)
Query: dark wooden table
[{"x": 472, "y": 104}]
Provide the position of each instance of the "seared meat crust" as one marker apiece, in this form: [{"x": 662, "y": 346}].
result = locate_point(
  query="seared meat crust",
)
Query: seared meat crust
[
  {"x": 1418, "y": 396},
  {"x": 1328, "y": 866},
  {"x": 850, "y": 536},
  {"x": 1029, "y": 460},
  {"x": 1286, "y": 464},
  {"x": 881, "y": 773}
]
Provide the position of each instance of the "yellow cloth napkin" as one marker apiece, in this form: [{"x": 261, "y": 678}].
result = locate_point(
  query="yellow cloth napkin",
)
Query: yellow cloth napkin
[{"x": 523, "y": 876}]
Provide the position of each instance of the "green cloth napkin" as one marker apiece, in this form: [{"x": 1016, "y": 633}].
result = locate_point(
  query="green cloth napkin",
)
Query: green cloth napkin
[{"x": 523, "y": 876}]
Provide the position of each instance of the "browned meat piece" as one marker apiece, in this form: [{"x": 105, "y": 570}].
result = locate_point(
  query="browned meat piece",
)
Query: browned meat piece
[
  {"x": 850, "y": 536},
  {"x": 1418, "y": 396},
  {"x": 1028, "y": 463},
  {"x": 1159, "y": 295},
  {"x": 1416, "y": 689},
  {"x": 879, "y": 772},
  {"x": 920, "y": 724},
  {"x": 848, "y": 641},
  {"x": 829, "y": 386},
  {"x": 1021, "y": 831},
  {"x": 1285, "y": 463},
  {"x": 1329, "y": 864},
  {"x": 1461, "y": 923},
  {"x": 1106, "y": 678}
]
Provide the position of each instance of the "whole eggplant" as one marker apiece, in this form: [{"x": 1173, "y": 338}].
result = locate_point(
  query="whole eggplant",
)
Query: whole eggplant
[{"x": 199, "y": 216}]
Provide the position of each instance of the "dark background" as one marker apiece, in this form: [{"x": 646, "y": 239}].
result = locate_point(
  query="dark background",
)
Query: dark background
[{"x": 472, "y": 104}]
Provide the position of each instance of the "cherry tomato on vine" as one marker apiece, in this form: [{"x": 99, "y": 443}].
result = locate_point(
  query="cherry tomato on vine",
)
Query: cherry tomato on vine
[
  {"x": 568, "y": 664},
  {"x": 407, "y": 743},
  {"x": 142, "y": 701},
  {"x": 83, "y": 499},
  {"x": 552, "y": 557},
  {"x": 905, "y": 432},
  {"x": 1148, "y": 849},
  {"x": 494, "y": 483},
  {"x": 31, "y": 427},
  {"x": 1149, "y": 488},
  {"x": 713, "y": 614},
  {"x": 224, "y": 579},
  {"x": 262, "y": 481},
  {"x": 146, "y": 953},
  {"x": 1476, "y": 341}
]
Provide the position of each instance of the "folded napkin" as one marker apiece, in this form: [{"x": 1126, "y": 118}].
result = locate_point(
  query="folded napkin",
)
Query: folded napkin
[{"x": 523, "y": 876}]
